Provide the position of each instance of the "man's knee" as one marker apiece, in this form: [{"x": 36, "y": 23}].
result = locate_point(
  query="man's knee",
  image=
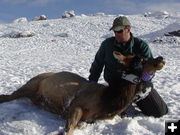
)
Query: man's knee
[
  {"x": 153, "y": 105},
  {"x": 160, "y": 112}
]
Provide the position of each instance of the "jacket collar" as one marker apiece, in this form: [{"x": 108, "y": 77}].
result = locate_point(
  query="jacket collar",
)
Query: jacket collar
[{"x": 126, "y": 47}]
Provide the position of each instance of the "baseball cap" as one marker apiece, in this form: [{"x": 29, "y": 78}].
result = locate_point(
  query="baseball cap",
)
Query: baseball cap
[{"x": 119, "y": 23}]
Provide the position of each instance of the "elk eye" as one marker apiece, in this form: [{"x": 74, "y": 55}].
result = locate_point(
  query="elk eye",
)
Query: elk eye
[{"x": 155, "y": 65}]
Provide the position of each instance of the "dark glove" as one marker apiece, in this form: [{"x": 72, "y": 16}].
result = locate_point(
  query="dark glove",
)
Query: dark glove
[{"x": 90, "y": 81}]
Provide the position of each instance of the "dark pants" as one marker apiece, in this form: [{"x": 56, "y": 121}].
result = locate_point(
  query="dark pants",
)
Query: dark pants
[{"x": 153, "y": 105}]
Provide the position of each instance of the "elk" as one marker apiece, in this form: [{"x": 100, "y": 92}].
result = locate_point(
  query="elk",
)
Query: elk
[{"x": 77, "y": 100}]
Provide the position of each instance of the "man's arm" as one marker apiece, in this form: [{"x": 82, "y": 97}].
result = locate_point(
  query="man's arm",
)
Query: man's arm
[{"x": 98, "y": 64}]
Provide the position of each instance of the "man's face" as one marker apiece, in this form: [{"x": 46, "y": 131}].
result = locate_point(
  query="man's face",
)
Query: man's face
[{"x": 123, "y": 35}]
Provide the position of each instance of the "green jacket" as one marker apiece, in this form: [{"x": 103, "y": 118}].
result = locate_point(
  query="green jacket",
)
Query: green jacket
[{"x": 104, "y": 57}]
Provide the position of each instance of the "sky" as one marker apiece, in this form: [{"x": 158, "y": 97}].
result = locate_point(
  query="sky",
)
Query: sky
[{"x": 12, "y": 9}]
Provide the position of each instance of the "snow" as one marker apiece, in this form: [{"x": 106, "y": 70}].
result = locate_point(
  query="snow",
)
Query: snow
[
  {"x": 41, "y": 17},
  {"x": 157, "y": 14},
  {"x": 68, "y": 14},
  {"x": 70, "y": 44},
  {"x": 20, "y": 20}
]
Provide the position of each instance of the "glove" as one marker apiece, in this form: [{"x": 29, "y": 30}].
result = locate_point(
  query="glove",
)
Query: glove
[{"x": 146, "y": 77}]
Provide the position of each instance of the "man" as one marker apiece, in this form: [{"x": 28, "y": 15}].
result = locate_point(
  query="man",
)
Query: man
[{"x": 124, "y": 41}]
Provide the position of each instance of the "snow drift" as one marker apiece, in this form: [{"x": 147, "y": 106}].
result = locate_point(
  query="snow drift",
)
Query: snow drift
[{"x": 70, "y": 44}]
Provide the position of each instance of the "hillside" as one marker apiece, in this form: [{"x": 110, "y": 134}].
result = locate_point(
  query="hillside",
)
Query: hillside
[{"x": 70, "y": 45}]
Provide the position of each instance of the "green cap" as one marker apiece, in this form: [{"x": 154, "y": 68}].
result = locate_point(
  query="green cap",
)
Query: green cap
[{"x": 119, "y": 23}]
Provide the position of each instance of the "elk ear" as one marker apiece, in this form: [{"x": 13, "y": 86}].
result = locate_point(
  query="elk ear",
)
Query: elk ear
[{"x": 121, "y": 58}]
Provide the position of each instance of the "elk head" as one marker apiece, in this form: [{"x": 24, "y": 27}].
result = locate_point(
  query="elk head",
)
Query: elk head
[{"x": 150, "y": 65}]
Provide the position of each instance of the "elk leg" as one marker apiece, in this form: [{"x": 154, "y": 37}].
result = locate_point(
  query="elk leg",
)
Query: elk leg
[
  {"x": 21, "y": 92},
  {"x": 81, "y": 125},
  {"x": 27, "y": 90},
  {"x": 73, "y": 120}
]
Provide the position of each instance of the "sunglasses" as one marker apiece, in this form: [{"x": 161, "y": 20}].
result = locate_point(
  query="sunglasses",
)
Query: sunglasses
[{"x": 120, "y": 31}]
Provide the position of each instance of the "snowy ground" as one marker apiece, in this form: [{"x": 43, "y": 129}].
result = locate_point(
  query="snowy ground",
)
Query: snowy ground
[{"x": 70, "y": 45}]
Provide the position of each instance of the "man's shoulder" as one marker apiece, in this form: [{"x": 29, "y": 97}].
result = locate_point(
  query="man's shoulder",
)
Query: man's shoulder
[
  {"x": 110, "y": 39},
  {"x": 140, "y": 42},
  {"x": 108, "y": 42},
  {"x": 142, "y": 47}
]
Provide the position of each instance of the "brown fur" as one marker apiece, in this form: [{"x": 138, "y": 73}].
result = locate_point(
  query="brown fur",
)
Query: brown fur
[{"x": 76, "y": 99}]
